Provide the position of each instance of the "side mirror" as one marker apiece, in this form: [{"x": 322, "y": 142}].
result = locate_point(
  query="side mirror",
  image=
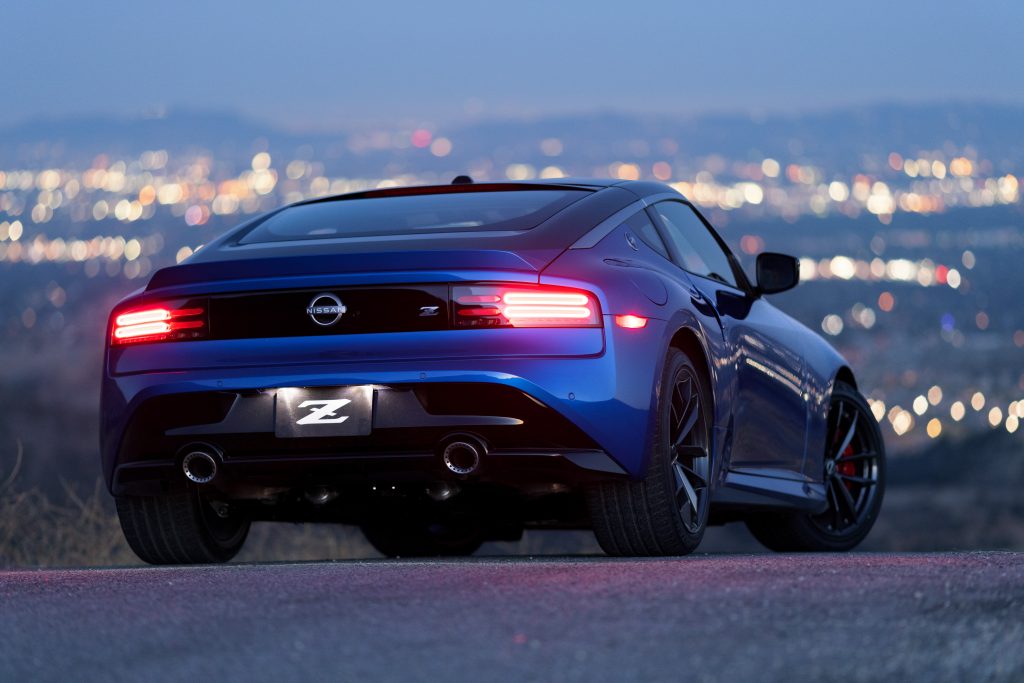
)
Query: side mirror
[{"x": 777, "y": 272}]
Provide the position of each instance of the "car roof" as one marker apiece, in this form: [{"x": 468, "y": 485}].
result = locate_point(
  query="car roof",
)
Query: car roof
[
  {"x": 640, "y": 188},
  {"x": 602, "y": 198}
]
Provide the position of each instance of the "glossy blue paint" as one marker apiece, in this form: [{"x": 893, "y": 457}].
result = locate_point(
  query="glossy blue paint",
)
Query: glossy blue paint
[{"x": 770, "y": 377}]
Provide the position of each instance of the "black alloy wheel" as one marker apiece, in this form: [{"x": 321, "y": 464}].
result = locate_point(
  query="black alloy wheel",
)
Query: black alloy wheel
[
  {"x": 666, "y": 512},
  {"x": 854, "y": 479},
  {"x": 690, "y": 459},
  {"x": 851, "y": 468}
]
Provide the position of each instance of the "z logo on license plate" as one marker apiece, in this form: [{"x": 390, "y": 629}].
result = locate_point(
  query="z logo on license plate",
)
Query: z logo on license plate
[{"x": 325, "y": 414}]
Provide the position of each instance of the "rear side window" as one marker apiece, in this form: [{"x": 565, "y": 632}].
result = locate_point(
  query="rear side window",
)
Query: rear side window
[
  {"x": 641, "y": 224},
  {"x": 410, "y": 215},
  {"x": 700, "y": 252}
]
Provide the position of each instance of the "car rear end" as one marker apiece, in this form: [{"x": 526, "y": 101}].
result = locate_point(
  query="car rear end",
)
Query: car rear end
[{"x": 297, "y": 373}]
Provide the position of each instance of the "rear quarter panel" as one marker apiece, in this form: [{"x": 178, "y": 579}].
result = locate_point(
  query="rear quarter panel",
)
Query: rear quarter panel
[{"x": 642, "y": 282}]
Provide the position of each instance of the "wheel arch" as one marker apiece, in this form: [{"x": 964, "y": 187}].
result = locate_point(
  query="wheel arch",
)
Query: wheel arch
[
  {"x": 687, "y": 341},
  {"x": 845, "y": 375}
]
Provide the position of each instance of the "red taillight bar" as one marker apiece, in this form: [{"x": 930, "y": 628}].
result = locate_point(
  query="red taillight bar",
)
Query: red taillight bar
[
  {"x": 523, "y": 306},
  {"x": 159, "y": 323},
  {"x": 546, "y": 298},
  {"x": 150, "y": 315},
  {"x": 538, "y": 312},
  {"x": 127, "y": 333}
]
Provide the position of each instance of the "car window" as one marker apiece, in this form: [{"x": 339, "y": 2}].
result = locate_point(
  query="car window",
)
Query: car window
[
  {"x": 700, "y": 252},
  {"x": 640, "y": 225},
  {"x": 418, "y": 214}
]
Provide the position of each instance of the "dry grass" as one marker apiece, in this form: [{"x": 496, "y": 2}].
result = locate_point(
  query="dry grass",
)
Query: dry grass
[
  {"x": 82, "y": 530},
  {"x": 36, "y": 532}
]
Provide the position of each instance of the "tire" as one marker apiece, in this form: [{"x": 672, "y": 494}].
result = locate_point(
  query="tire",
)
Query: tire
[
  {"x": 408, "y": 533},
  {"x": 666, "y": 512},
  {"x": 180, "y": 528},
  {"x": 858, "y": 467}
]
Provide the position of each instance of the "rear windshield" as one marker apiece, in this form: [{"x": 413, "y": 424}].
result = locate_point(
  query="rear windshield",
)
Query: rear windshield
[{"x": 414, "y": 215}]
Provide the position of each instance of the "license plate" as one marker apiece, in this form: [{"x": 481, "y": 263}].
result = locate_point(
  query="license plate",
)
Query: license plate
[{"x": 337, "y": 411}]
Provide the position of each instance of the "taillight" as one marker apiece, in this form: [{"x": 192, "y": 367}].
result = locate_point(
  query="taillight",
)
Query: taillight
[
  {"x": 173, "y": 321},
  {"x": 522, "y": 306}
]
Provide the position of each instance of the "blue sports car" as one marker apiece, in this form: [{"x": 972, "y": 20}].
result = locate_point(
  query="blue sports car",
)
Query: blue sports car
[{"x": 453, "y": 364}]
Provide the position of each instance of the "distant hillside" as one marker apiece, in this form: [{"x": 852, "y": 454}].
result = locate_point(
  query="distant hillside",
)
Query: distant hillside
[
  {"x": 991, "y": 459},
  {"x": 842, "y": 140},
  {"x": 70, "y": 139}
]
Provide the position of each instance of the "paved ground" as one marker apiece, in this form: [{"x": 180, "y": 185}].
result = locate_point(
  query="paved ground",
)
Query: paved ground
[{"x": 950, "y": 617}]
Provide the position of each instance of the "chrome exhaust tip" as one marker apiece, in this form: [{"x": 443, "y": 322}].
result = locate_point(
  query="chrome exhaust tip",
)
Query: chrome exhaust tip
[
  {"x": 320, "y": 495},
  {"x": 462, "y": 457},
  {"x": 199, "y": 466},
  {"x": 442, "y": 491}
]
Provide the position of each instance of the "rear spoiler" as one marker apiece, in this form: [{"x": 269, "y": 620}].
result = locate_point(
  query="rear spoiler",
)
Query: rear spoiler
[{"x": 325, "y": 264}]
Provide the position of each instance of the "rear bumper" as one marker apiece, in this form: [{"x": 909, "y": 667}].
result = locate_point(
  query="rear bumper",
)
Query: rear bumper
[
  {"x": 583, "y": 406},
  {"x": 251, "y": 477}
]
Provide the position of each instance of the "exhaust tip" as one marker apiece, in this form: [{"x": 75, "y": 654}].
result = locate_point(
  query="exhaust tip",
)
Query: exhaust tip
[
  {"x": 199, "y": 467},
  {"x": 461, "y": 457}
]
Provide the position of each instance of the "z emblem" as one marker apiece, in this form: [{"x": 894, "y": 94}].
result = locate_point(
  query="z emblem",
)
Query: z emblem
[
  {"x": 427, "y": 311},
  {"x": 325, "y": 414}
]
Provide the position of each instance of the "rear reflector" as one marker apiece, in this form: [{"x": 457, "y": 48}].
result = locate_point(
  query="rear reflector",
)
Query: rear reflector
[
  {"x": 631, "y": 322},
  {"x": 522, "y": 306},
  {"x": 169, "y": 322}
]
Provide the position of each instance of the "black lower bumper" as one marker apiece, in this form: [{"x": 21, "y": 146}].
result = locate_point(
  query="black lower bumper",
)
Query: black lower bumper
[
  {"x": 523, "y": 440},
  {"x": 248, "y": 477}
]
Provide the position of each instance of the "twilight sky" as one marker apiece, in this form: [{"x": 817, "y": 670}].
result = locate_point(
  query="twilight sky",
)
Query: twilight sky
[{"x": 329, "y": 64}]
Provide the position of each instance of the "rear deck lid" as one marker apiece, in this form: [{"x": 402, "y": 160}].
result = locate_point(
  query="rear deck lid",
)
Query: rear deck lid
[{"x": 268, "y": 266}]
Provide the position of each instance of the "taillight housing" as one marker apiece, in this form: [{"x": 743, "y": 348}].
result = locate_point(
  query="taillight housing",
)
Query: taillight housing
[
  {"x": 165, "y": 321},
  {"x": 496, "y": 305}
]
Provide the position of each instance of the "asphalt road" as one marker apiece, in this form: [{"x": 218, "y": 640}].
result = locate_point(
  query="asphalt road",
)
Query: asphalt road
[{"x": 955, "y": 617}]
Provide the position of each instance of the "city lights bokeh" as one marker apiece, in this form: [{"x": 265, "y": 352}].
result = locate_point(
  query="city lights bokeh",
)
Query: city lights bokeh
[{"x": 123, "y": 218}]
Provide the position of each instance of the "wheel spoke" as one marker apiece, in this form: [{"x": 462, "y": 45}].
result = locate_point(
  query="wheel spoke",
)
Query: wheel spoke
[
  {"x": 837, "y": 423},
  {"x": 691, "y": 495},
  {"x": 687, "y": 422},
  {"x": 679, "y": 475},
  {"x": 837, "y": 516},
  {"x": 692, "y": 475},
  {"x": 690, "y": 452},
  {"x": 862, "y": 481},
  {"x": 849, "y": 436},
  {"x": 684, "y": 403},
  {"x": 681, "y": 497},
  {"x": 847, "y": 499}
]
